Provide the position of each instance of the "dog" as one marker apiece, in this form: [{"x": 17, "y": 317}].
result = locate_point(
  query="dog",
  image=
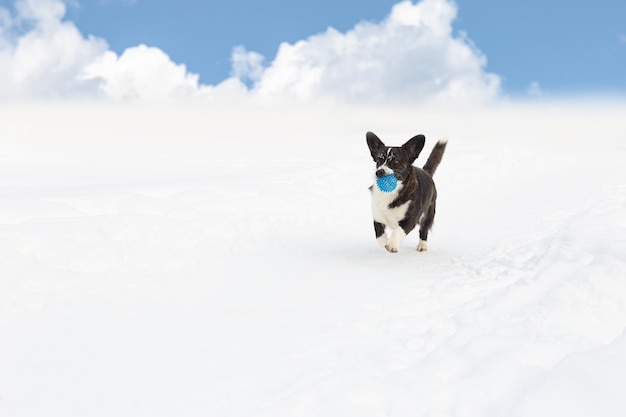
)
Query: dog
[{"x": 413, "y": 201}]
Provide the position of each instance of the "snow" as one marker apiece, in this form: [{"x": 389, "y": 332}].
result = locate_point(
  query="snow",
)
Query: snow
[{"x": 198, "y": 259}]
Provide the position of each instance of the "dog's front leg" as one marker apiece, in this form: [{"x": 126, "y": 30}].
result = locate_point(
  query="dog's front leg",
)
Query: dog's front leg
[
  {"x": 381, "y": 237},
  {"x": 394, "y": 241}
]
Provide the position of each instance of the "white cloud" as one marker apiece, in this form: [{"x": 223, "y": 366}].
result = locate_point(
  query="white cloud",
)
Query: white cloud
[
  {"x": 52, "y": 58},
  {"x": 45, "y": 60},
  {"x": 412, "y": 55},
  {"x": 246, "y": 65},
  {"x": 45, "y": 12},
  {"x": 141, "y": 72}
]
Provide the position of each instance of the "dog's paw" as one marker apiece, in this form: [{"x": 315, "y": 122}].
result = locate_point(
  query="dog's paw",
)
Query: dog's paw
[
  {"x": 382, "y": 241},
  {"x": 422, "y": 246},
  {"x": 391, "y": 248}
]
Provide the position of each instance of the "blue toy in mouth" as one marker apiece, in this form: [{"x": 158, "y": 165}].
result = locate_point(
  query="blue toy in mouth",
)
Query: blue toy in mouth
[{"x": 387, "y": 184}]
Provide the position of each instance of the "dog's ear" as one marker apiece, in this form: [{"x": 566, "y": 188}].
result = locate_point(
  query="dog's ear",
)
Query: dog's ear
[
  {"x": 374, "y": 144},
  {"x": 414, "y": 146}
]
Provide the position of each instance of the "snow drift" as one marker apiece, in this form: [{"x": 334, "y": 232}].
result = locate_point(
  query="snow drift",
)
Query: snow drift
[{"x": 219, "y": 260}]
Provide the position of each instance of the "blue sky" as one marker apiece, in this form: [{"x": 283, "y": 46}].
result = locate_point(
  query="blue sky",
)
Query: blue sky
[
  {"x": 564, "y": 45},
  {"x": 533, "y": 46},
  {"x": 202, "y": 34}
]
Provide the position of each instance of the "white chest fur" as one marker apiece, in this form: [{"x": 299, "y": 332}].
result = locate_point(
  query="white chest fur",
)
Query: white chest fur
[{"x": 390, "y": 217}]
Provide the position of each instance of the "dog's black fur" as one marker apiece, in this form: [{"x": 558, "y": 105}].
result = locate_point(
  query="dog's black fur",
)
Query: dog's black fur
[{"x": 413, "y": 201}]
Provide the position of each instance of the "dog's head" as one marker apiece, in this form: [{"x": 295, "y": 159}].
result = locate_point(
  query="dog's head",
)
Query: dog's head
[{"x": 395, "y": 160}]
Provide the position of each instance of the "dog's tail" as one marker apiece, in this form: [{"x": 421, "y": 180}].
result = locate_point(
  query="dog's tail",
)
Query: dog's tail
[{"x": 435, "y": 156}]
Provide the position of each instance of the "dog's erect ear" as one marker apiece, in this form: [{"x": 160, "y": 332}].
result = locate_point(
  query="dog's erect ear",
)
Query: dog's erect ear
[
  {"x": 414, "y": 146},
  {"x": 374, "y": 144}
]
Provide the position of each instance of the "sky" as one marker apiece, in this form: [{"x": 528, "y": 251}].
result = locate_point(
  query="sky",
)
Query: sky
[{"x": 432, "y": 49}]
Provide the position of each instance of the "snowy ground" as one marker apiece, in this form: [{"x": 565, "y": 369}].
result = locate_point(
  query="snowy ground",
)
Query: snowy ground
[{"x": 197, "y": 260}]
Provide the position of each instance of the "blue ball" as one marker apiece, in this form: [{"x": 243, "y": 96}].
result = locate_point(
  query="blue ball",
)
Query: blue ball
[{"x": 387, "y": 184}]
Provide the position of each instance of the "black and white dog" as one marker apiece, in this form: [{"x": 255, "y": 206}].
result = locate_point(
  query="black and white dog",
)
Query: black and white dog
[{"x": 413, "y": 199}]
